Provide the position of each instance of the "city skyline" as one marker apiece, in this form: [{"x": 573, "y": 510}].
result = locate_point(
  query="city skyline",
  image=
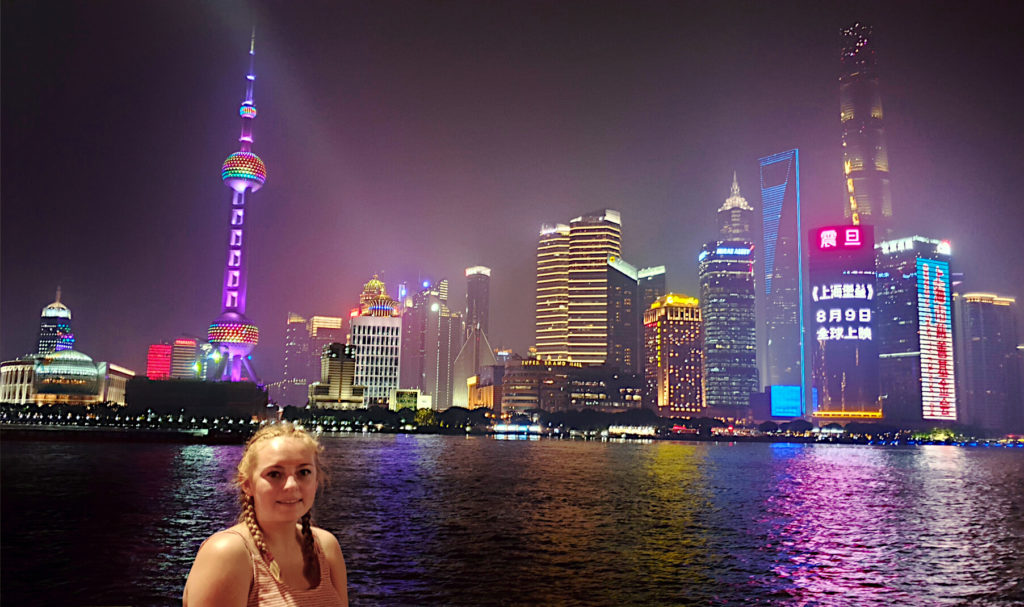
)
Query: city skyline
[{"x": 386, "y": 134}]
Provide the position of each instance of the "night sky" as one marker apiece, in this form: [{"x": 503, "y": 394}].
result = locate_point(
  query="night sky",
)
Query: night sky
[{"x": 413, "y": 139}]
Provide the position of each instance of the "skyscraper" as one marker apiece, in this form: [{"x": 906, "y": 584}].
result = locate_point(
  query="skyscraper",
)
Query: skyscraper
[
  {"x": 432, "y": 336},
  {"x": 674, "y": 356},
  {"x": 783, "y": 271},
  {"x": 725, "y": 272},
  {"x": 552, "y": 319},
  {"x": 915, "y": 333},
  {"x": 630, "y": 291},
  {"x": 184, "y": 356},
  {"x": 297, "y": 362},
  {"x": 988, "y": 364},
  {"x": 593, "y": 238},
  {"x": 336, "y": 389},
  {"x": 243, "y": 171},
  {"x": 158, "y": 361},
  {"x": 55, "y": 328},
  {"x": 865, "y": 156},
  {"x": 478, "y": 297},
  {"x": 841, "y": 324},
  {"x": 376, "y": 335}
]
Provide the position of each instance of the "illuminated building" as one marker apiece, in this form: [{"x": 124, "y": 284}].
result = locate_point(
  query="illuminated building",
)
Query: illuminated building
[
  {"x": 988, "y": 362},
  {"x": 431, "y": 338},
  {"x": 783, "y": 267},
  {"x": 336, "y": 388},
  {"x": 67, "y": 377},
  {"x": 674, "y": 369},
  {"x": 572, "y": 282},
  {"x": 865, "y": 156},
  {"x": 184, "y": 356},
  {"x": 913, "y": 307},
  {"x": 735, "y": 214},
  {"x": 376, "y": 335},
  {"x": 593, "y": 238},
  {"x": 243, "y": 171},
  {"x": 321, "y": 331},
  {"x": 725, "y": 271},
  {"x": 478, "y": 297},
  {"x": 55, "y": 328},
  {"x": 552, "y": 319},
  {"x": 841, "y": 329},
  {"x": 158, "y": 361}
]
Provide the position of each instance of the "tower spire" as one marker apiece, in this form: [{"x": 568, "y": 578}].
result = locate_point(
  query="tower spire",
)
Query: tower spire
[
  {"x": 734, "y": 191},
  {"x": 58, "y": 295},
  {"x": 244, "y": 172}
]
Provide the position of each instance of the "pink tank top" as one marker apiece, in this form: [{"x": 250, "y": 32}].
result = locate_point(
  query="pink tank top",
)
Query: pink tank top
[{"x": 268, "y": 592}]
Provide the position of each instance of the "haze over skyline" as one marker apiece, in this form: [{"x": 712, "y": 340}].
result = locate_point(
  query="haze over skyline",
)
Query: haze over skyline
[{"x": 414, "y": 139}]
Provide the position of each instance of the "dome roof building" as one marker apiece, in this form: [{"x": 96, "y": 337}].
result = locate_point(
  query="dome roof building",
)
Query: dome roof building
[{"x": 55, "y": 328}]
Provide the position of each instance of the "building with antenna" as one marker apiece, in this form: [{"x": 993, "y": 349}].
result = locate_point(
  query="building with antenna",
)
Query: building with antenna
[
  {"x": 725, "y": 271},
  {"x": 55, "y": 328},
  {"x": 244, "y": 172}
]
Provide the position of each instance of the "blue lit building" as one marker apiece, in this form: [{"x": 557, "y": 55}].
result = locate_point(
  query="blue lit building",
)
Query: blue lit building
[
  {"x": 783, "y": 272},
  {"x": 55, "y": 328},
  {"x": 728, "y": 297}
]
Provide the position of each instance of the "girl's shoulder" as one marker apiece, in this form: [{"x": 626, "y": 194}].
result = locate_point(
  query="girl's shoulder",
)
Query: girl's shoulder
[
  {"x": 326, "y": 539},
  {"x": 231, "y": 542}
]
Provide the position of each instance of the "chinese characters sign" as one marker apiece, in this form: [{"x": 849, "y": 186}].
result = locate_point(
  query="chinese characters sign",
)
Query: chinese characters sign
[
  {"x": 938, "y": 398},
  {"x": 843, "y": 310}
]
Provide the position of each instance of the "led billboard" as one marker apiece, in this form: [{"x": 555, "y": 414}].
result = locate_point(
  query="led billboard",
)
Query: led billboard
[
  {"x": 840, "y": 325},
  {"x": 938, "y": 396}
]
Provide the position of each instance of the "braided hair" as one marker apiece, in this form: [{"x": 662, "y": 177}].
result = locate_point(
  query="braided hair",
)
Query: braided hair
[{"x": 247, "y": 516}]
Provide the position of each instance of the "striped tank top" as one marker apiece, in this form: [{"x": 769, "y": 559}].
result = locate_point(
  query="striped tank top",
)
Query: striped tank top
[{"x": 268, "y": 592}]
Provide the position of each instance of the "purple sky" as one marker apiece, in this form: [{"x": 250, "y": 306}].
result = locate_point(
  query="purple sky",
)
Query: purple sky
[{"x": 417, "y": 138}]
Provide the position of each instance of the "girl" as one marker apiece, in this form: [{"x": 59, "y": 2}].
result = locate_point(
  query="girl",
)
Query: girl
[{"x": 273, "y": 556}]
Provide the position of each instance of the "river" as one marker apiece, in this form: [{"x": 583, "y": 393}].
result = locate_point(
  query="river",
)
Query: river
[{"x": 442, "y": 520}]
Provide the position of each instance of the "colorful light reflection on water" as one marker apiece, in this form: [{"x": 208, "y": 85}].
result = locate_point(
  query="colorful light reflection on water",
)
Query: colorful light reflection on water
[{"x": 475, "y": 521}]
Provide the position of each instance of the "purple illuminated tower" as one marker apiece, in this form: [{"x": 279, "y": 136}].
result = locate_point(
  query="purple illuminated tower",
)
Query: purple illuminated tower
[{"x": 232, "y": 333}]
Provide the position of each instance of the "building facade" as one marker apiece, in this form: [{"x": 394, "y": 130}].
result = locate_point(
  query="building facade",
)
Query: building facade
[
  {"x": 478, "y": 298},
  {"x": 725, "y": 272},
  {"x": 783, "y": 271},
  {"x": 674, "y": 369},
  {"x": 915, "y": 334},
  {"x": 158, "y": 361},
  {"x": 988, "y": 369},
  {"x": 336, "y": 388},
  {"x": 376, "y": 336},
  {"x": 55, "y": 328},
  {"x": 552, "y": 311},
  {"x": 842, "y": 336},
  {"x": 184, "y": 356},
  {"x": 432, "y": 338},
  {"x": 67, "y": 377},
  {"x": 593, "y": 238},
  {"x": 865, "y": 154}
]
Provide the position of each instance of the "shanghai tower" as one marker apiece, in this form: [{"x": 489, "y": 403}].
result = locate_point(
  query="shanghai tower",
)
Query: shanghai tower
[
  {"x": 243, "y": 171},
  {"x": 865, "y": 157}
]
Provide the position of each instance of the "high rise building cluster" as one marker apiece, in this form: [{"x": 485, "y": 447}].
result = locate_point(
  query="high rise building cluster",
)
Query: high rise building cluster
[{"x": 857, "y": 320}]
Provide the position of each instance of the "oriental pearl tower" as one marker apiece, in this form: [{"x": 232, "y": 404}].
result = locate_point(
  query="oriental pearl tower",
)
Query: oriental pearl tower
[{"x": 232, "y": 333}]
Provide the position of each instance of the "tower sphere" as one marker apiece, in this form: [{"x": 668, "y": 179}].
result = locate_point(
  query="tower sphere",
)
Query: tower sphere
[
  {"x": 242, "y": 171},
  {"x": 236, "y": 331},
  {"x": 247, "y": 110}
]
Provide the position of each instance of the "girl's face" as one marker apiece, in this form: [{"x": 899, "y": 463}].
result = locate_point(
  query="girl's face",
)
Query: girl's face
[{"x": 283, "y": 482}]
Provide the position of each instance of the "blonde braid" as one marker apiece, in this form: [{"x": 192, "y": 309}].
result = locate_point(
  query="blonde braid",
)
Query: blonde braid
[
  {"x": 311, "y": 564},
  {"x": 249, "y": 518}
]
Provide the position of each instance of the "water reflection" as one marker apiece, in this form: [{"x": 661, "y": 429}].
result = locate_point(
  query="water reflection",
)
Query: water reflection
[{"x": 474, "y": 521}]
